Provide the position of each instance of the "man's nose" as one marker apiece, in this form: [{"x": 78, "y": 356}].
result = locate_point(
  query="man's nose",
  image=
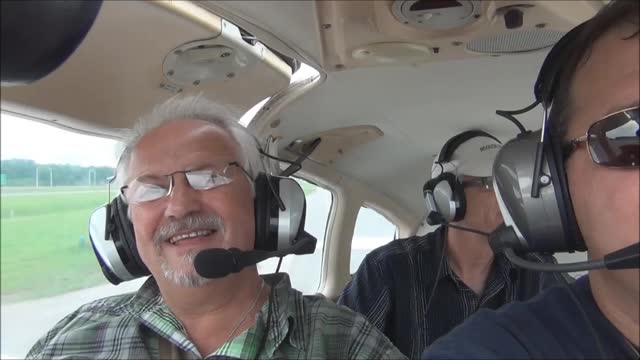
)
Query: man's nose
[{"x": 183, "y": 200}]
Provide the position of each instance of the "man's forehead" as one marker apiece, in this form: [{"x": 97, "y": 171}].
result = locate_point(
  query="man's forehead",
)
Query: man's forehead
[
  {"x": 180, "y": 130},
  {"x": 181, "y": 143}
]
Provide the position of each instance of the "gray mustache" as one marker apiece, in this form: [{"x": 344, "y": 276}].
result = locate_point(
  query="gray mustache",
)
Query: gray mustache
[{"x": 191, "y": 222}]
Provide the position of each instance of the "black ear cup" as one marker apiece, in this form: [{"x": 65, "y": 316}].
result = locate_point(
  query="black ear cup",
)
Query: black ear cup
[
  {"x": 126, "y": 239},
  {"x": 571, "y": 231},
  {"x": 266, "y": 214}
]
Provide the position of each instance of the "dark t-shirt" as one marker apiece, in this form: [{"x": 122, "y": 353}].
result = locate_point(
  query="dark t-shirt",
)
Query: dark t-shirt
[{"x": 549, "y": 326}]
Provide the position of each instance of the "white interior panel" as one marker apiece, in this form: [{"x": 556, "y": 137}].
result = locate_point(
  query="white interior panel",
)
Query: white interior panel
[
  {"x": 418, "y": 108},
  {"x": 116, "y": 73}
]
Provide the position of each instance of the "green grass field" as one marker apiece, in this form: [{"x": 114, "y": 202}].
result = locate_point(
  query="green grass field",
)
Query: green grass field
[{"x": 44, "y": 241}]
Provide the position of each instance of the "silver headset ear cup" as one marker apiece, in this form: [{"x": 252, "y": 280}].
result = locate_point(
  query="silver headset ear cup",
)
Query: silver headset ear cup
[
  {"x": 443, "y": 196},
  {"x": 278, "y": 229},
  {"x": 536, "y": 221},
  {"x": 445, "y": 199},
  {"x": 105, "y": 248},
  {"x": 290, "y": 220}
]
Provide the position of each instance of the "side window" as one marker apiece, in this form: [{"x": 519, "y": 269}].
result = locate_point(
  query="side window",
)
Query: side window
[
  {"x": 305, "y": 270},
  {"x": 372, "y": 231},
  {"x": 50, "y": 182}
]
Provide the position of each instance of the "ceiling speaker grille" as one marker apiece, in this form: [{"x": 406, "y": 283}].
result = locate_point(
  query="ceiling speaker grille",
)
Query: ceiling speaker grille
[{"x": 515, "y": 41}]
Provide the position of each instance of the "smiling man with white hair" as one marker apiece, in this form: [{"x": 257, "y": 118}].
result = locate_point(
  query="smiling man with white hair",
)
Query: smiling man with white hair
[{"x": 188, "y": 173}]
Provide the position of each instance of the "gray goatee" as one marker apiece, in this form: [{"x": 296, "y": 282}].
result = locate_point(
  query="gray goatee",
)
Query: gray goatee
[{"x": 183, "y": 273}]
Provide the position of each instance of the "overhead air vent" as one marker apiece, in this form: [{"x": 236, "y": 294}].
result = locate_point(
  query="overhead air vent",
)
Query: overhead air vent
[
  {"x": 436, "y": 14},
  {"x": 515, "y": 41}
]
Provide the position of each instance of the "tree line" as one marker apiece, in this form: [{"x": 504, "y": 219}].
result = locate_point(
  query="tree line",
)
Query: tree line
[{"x": 22, "y": 172}]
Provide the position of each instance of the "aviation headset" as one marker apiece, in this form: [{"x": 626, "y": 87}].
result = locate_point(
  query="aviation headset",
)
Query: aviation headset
[
  {"x": 113, "y": 240},
  {"x": 444, "y": 193},
  {"x": 529, "y": 172}
]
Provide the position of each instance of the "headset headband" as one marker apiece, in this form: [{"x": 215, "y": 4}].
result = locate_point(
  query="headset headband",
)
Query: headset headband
[
  {"x": 554, "y": 65},
  {"x": 452, "y": 144}
]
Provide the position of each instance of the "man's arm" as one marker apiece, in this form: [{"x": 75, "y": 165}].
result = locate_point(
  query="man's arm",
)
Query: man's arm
[
  {"x": 368, "y": 294},
  {"x": 367, "y": 342}
]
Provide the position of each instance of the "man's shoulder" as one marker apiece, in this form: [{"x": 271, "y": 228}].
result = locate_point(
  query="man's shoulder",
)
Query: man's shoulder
[
  {"x": 321, "y": 311},
  {"x": 104, "y": 309},
  {"x": 83, "y": 326},
  {"x": 349, "y": 332},
  {"x": 116, "y": 305}
]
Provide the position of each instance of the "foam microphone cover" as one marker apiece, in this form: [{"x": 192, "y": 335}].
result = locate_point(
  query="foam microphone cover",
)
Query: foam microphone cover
[{"x": 216, "y": 263}]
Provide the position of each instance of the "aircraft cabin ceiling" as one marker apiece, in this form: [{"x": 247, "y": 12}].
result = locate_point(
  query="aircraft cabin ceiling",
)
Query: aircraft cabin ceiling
[
  {"x": 339, "y": 35},
  {"x": 404, "y": 76},
  {"x": 398, "y": 77},
  {"x": 138, "y": 54}
]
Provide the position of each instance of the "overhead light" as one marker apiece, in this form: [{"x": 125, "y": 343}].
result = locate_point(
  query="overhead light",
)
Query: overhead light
[{"x": 392, "y": 52}]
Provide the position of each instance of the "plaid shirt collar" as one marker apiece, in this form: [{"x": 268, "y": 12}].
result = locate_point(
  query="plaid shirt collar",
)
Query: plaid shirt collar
[{"x": 287, "y": 317}]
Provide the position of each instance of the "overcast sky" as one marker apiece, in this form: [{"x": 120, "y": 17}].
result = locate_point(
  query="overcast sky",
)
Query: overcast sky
[{"x": 28, "y": 139}]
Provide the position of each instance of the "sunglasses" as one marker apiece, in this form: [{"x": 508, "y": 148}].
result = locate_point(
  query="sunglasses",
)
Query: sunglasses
[
  {"x": 613, "y": 141},
  {"x": 148, "y": 188}
]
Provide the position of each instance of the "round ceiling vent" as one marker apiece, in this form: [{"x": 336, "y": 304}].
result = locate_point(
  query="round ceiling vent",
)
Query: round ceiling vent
[
  {"x": 201, "y": 61},
  {"x": 436, "y": 14},
  {"x": 515, "y": 41}
]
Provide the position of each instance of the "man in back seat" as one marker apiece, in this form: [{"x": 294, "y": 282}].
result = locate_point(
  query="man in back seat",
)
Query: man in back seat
[{"x": 417, "y": 289}]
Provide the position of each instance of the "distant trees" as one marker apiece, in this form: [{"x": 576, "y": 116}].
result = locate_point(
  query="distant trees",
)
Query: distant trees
[{"x": 22, "y": 172}]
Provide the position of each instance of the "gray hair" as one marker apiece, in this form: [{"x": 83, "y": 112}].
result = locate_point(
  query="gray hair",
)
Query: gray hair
[{"x": 195, "y": 108}]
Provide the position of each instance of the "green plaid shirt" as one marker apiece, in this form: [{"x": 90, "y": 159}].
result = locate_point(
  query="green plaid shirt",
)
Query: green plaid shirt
[{"x": 138, "y": 325}]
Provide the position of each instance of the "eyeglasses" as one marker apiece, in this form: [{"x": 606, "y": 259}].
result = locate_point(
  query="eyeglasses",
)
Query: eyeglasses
[
  {"x": 485, "y": 182},
  {"x": 147, "y": 188},
  {"x": 613, "y": 141}
]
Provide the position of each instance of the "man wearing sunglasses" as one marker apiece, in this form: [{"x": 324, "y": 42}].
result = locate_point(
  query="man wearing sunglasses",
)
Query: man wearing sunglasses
[
  {"x": 595, "y": 116},
  {"x": 188, "y": 174},
  {"x": 417, "y": 289}
]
